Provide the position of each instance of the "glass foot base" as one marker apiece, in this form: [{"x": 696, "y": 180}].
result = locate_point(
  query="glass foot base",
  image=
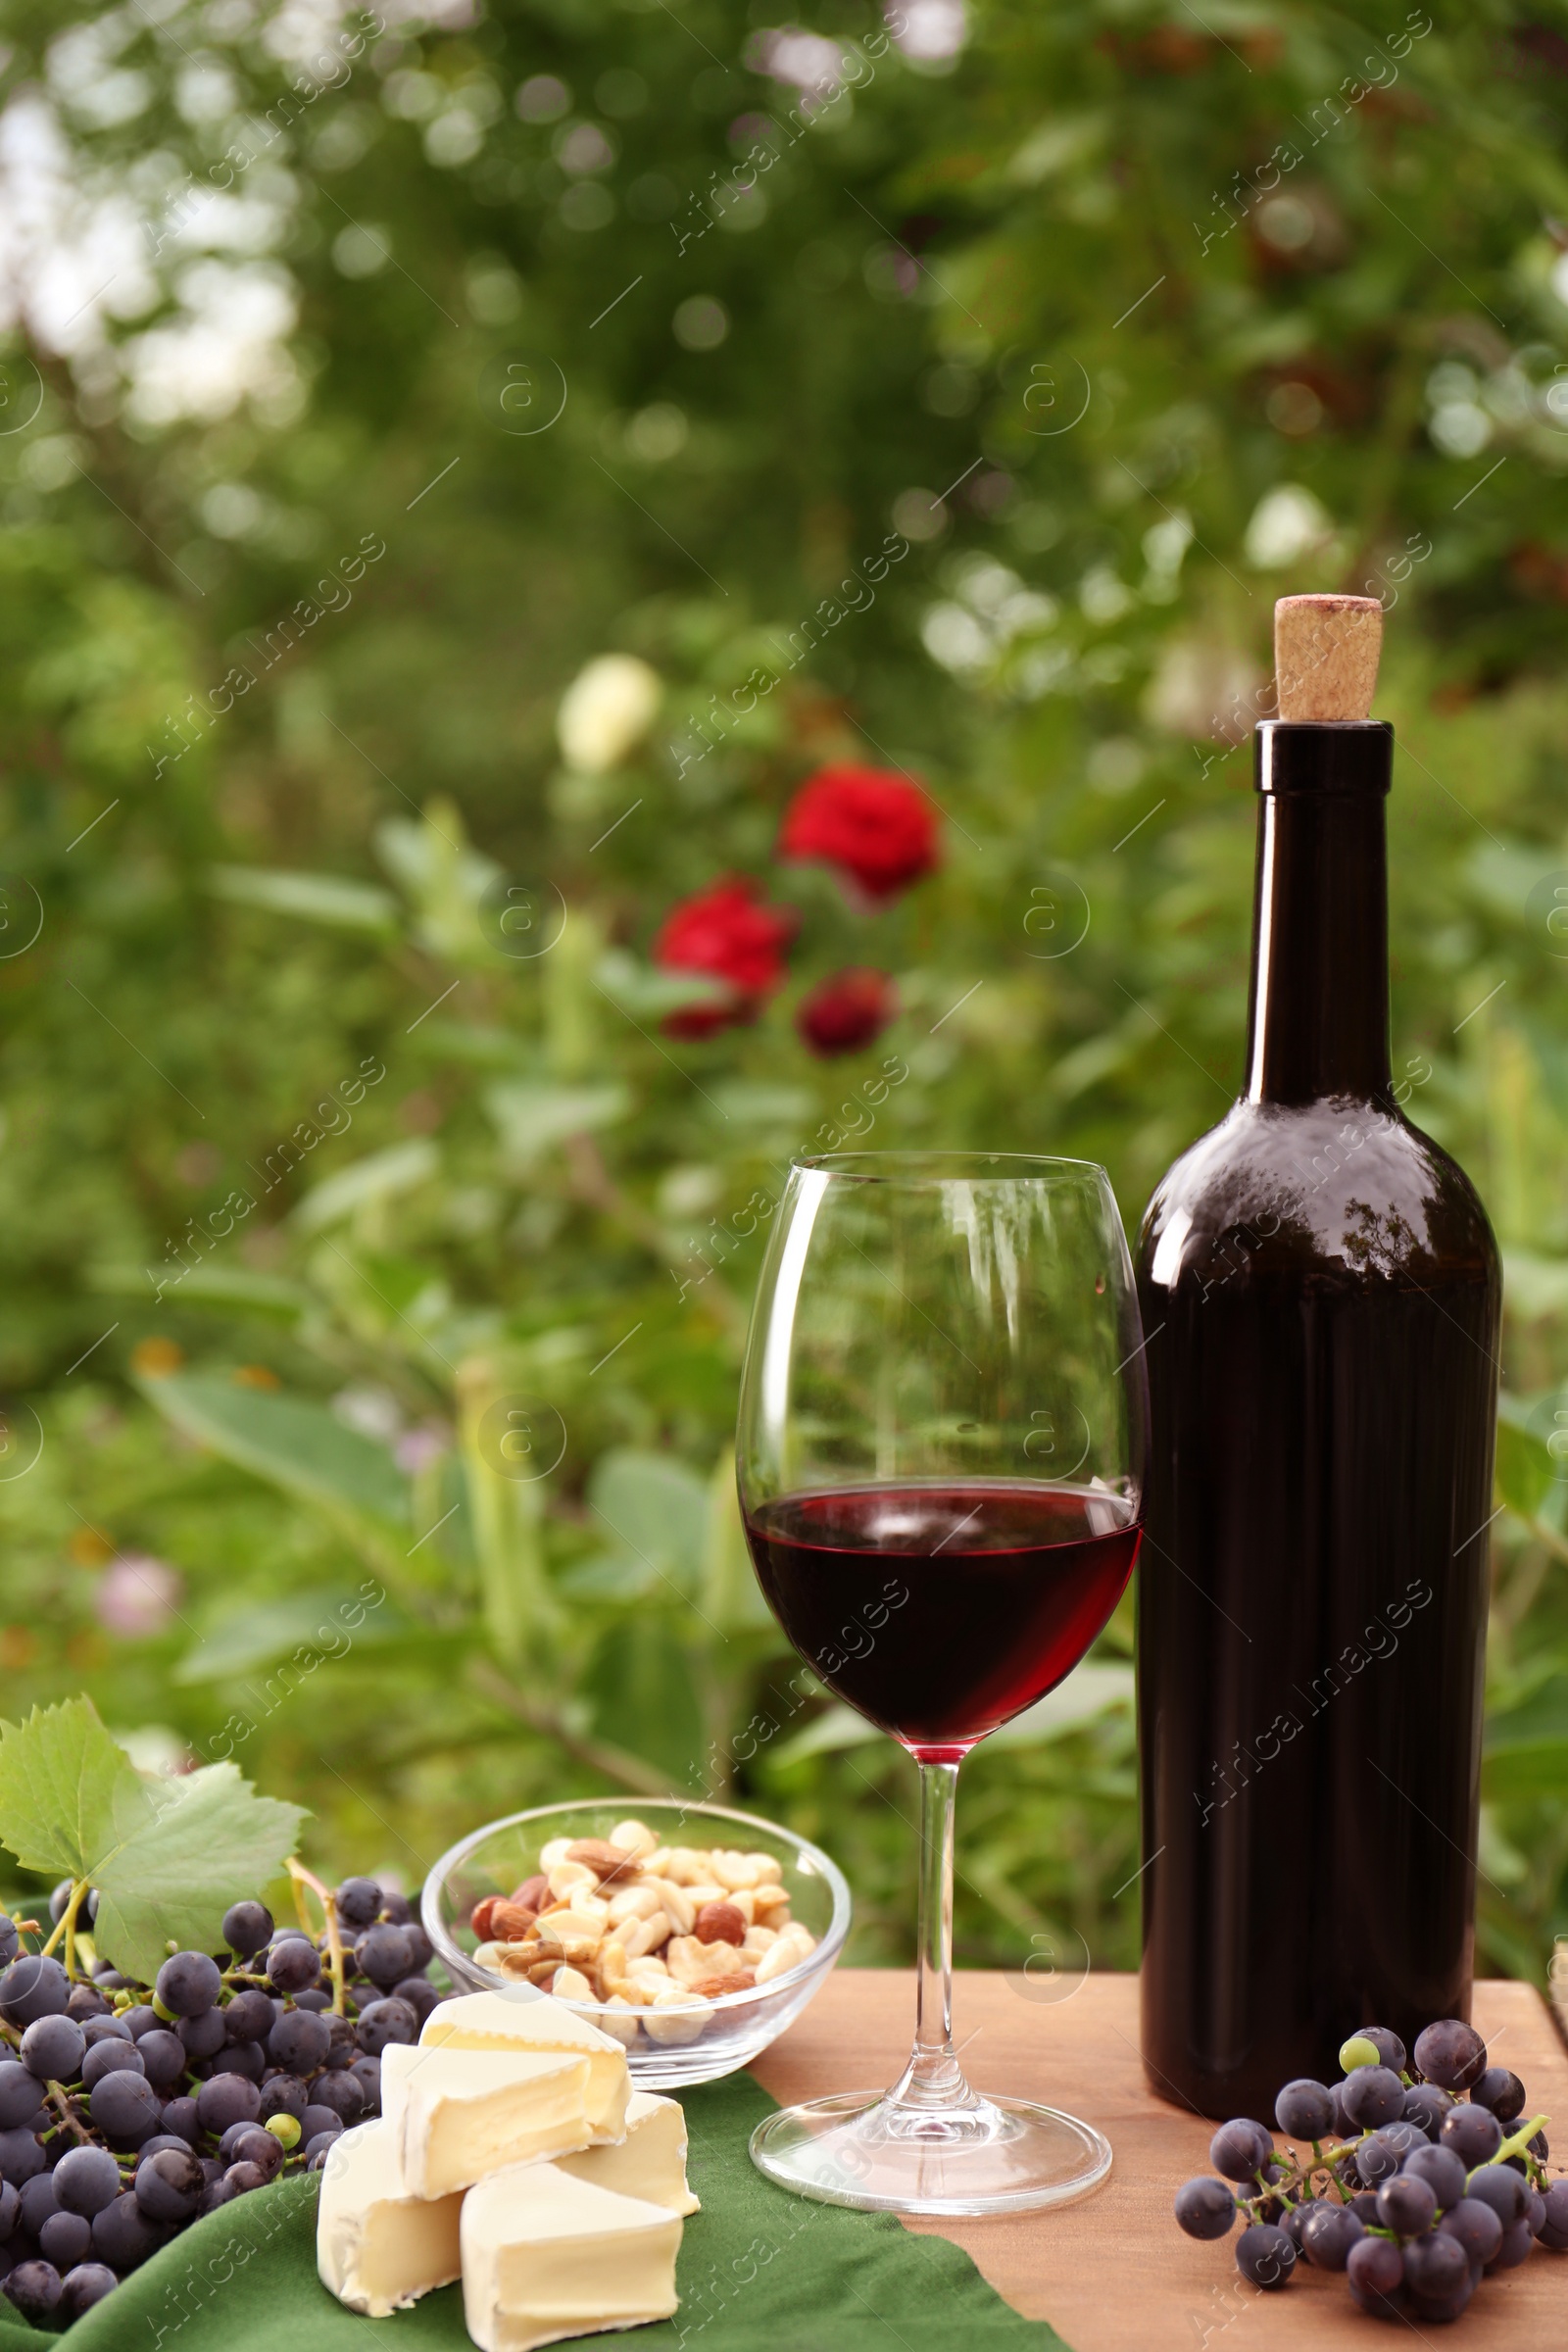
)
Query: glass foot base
[{"x": 865, "y": 2149}]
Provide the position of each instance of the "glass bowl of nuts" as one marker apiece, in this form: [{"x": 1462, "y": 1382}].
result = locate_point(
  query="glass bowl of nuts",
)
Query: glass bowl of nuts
[{"x": 692, "y": 1934}]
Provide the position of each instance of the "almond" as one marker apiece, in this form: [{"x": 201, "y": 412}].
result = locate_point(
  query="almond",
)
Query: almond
[
  {"x": 533, "y": 1891},
  {"x": 604, "y": 1860},
  {"x": 719, "y": 1923},
  {"x": 510, "y": 1921},
  {"x": 481, "y": 1917}
]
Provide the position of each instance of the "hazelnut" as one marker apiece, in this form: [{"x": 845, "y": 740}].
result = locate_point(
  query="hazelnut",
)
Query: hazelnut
[
  {"x": 719, "y": 1923},
  {"x": 510, "y": 1921}
]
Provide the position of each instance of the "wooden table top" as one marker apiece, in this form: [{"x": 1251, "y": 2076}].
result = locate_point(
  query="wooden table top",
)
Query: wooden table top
[{"x": 1114, "y": 2274}]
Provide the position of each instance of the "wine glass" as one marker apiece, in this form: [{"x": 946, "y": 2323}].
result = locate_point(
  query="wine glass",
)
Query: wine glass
[{"x": 940, "y": 1448}]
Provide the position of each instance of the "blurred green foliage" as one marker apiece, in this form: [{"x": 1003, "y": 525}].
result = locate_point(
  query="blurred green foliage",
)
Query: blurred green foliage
[{"x": 321, "y": 1203}]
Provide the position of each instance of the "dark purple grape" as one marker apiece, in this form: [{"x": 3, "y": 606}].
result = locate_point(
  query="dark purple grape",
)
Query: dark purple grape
[
  {"x": 1441, "y": 2169},
  {"x": 34, "y": 2289},
  {"x": 86, "y": 2002},
  {"x": 168, "y": 2186},
  {"x": 85, "y": 2180},
  {"x": 282, "y": 2094},
  {"x": 188, "y": 1983},
  {"x": 314, "y": 2120},
  {"x": 343, "y": 2044},
  {"x": 1303, "y": 2110},
  {"x": 1295, "y": 2217},
  {"x": 1240, "y": 2148},
  {"x": 1554, "y": 2231},
  {"x": 162, "y": 2056},
  {"x": 65, "y": 2239},
  {"x": 217, "y": 2192},
  {"x": 299, "y": 2042},
  {"x": 247, "y": 2058},
  {"x": 59, "y": 1897},
  {"x": 259, "y": 2148},
  {"x": 420, "y": 1947},
  {"x": 11, "y": 2208},
  {"x": 1434, "y": 2267},
  {"x": 1503, "y": 2092},
  {"x": 21, "y": 2156},
  {"x": 180, "y": 2119},
  {"x": 140, "y": 2020},
  {"x": 1375, "y": 2268},
  {"x": 358, "y": 1902},
  {"x": 9, "y": 1939},
  {"x": 1406, "y": 2205},
  {"x": 293, "y": 1965},
  {"x": 226, "y": 2099},
  {"x": 366, "y": 2071},
  {"x": 123, "y": 2237},
  {"x": 1503, "y": 2189},
  {"x": 383, "y": 2022},
  {"x": 240, "y": 2179},
  {"x": 108, "y": 1979},
  {"x": 203, "y": 2037},
  {"x": 1377, "y": 2159},
  {"x": 249, "y": 2017},
  {"x": 110, "y": 2057},
  {"x": 1389, "y": 2048},
  {"x": 342, "y": 2091},
  {"x": 1518, "y": 2239},
  {"x": 108, "y": 2028},
  {"x": 38, "y": 2202},
  {"x": 1265, "y": 2255},
  {"x": 1450, "y": 2054},
  {"x": 1425, "y": 2106},
  {"x": 1327, "y": 2234},
  {"x": 318, "y": 2151},
  {"x": 1535, "y": 2210},
  {"x": 1205, "y": 2208},
  {"x": 419, "y": 1993},
  {"x": 34, "y": 1987},
  {"x": 383, "y": 1955},
  {"x": 18, "y": 2095},
  {"x": 127, "y": 2110},
  {"x": 1475, "y": 2226},
  {"x": 83, "y": 2286},
  {"x": 1474, "y": 2133},
  {"x": 246, "y": 1929},
  {"x": 396, "y": 1907},
  {"x": 52, "y": 2048},
  {"x": 1372, "y": 2096}
]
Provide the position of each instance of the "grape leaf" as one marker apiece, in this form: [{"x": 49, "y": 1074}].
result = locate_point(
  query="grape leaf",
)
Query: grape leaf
[{"x": 168, "y": 1857}]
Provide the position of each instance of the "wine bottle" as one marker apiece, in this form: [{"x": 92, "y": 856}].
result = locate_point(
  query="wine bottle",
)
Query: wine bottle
[{"x": 1321, "y": 1294}]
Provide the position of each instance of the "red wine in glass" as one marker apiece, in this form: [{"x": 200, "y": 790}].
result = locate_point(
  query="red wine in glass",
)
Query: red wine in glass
[{"x": 939, "y": 1610}]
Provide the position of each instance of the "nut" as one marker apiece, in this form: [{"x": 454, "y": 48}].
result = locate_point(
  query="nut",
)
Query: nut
[
  {"x": 634, "y": 1837},
  {"x": 604, "y": 1860},
  {"x": 570, "y": 1984},
  {"x": 719, "y": 1923},
  {"x": 565, "y": 1878},
  {"x": 533, "y": 1891},
  {"x": 634, "y": 1902},
  {"x": 510, "y": 1921},
  {"x": 553, "y": 1853},
  {"x": 779, "y": 1958},
  {"x": 679, "y": 1909},
  {"x": 674, "y": 2017},
  {"x": 647, "y": 1936},
  {"x": 694, "y": 1963},
  {"x": 480, "y": 1917},
  {"x": 620, "y": 2018}
]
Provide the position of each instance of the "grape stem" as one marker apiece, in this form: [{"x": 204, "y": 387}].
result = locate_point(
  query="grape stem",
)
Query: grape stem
[
  {"x": 66, "y": 1926},
  {"x": 56, "y": 2095},
  {"x": 303, "y": 1877},
  {"x": 1518, "y": 2145}
]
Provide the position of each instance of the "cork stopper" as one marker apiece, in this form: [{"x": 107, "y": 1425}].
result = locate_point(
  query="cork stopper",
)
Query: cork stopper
[{"x": 1326, "y": 652}]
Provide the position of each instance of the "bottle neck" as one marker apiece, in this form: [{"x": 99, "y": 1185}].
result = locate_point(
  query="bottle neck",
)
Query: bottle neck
[{"x": 1319, "y": 1017}]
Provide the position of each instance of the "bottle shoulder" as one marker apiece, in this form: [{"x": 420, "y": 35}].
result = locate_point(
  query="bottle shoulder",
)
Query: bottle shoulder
[{"x": 1347, "y": 1188}]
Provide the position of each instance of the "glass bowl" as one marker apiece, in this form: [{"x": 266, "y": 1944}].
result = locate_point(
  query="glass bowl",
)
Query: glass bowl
[{"x": 722, "y": 2031}]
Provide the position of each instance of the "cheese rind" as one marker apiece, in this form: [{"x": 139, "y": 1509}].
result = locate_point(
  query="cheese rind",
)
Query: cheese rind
[
  {"x": 489, "y": 2021},
  {"x": 458, "y": 2114},
  {"x": 650, "y": 2163},
  {"x": 547, "y": 2256},
  {"x": 378, "y": 2247}
]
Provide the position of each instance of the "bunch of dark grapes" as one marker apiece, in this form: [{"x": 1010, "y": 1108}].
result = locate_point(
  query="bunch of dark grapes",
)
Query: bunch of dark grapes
[
  {"x": 1419, "y": 2193},
  {"x": 128, "y": 2110}
]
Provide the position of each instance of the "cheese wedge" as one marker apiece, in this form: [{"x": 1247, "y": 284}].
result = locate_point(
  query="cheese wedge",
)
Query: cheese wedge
[
  {"x": 457, "y": 2115},
  {"x": 378, "y": 2247},
  {"x": 499, "y": 2020},
  {"x": 649, "y": 2163},
  {"x": 547, "y": 2256}
]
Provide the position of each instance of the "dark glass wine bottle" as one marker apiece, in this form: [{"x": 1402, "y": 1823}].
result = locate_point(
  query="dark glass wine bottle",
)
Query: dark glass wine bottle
[{"x": 1321, "y": 1294}]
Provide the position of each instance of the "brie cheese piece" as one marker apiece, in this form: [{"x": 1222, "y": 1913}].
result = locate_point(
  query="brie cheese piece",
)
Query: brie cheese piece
[
  {"x": 490, "y": 2021},
  {"x": 649, "y": 2163},
  {"x": 378, "y": 2247},
  {"x": 457, "y": 2115},
  {"x": 547, "y": 2256}
]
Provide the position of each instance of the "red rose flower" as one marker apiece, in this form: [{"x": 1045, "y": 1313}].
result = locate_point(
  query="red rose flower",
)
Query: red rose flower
[
  {"x": 846, "y": 1010},
  {"x": 726, "y": 935},
  {"x": 876, "y": 827}
]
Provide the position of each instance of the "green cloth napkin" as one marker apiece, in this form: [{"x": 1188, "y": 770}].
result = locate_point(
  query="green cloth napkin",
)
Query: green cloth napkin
[{"x": 760, "y": 2270}]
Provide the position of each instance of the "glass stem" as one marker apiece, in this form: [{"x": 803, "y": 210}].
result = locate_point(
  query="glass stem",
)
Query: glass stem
[{"x": 934, "y": 2077}]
